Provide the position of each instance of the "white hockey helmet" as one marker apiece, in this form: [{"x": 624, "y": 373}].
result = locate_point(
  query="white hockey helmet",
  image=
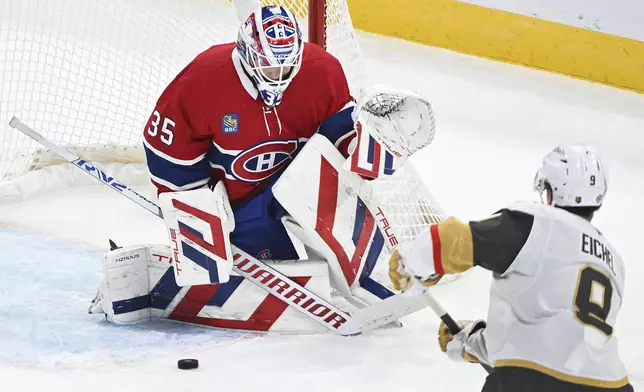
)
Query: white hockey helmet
[{"x": 576, "y": 175}]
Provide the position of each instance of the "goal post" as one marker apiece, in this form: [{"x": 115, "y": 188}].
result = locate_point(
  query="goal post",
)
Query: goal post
[{"x": 317, "y": 19}]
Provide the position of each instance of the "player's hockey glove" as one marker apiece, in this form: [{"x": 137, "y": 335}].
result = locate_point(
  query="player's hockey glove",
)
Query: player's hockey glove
[
  {"x": 402, "y": 278},
  {"x": 467, "y": 345}
]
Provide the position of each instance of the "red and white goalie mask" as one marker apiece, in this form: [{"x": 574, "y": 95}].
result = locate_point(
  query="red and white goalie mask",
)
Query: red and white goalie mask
[{"x": 270, "y": 45}]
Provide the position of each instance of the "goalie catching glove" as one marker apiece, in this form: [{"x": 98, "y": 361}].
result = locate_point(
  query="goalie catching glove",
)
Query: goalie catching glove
[{"x": 391, "y": 125}]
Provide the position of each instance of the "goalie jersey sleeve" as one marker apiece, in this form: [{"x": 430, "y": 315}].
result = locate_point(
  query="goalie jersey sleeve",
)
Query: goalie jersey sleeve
[
  {"x": 329, "y": 91},
  {"x": 176, "y": 153},
  {"x": 557, "y": 289}
]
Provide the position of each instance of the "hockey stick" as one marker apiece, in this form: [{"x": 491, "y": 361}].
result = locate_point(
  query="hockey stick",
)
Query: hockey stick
[
  {"x": 420, "y": 292},
  {"x": 89, "y": 169},
  {"x": 294, "y": 295}
]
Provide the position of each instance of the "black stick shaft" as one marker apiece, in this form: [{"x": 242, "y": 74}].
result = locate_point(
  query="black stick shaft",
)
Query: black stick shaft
[{"x": 452, "y": 326}]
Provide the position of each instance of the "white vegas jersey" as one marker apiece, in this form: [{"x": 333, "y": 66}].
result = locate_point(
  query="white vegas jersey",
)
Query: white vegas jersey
[{"x": 554, "y": 308}]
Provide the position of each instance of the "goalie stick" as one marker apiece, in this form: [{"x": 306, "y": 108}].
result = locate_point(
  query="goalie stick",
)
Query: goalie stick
[{"x": 297, "y": 297}]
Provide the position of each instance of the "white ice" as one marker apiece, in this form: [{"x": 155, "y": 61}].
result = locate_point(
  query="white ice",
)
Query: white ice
[{"x": 495, "y": 121}]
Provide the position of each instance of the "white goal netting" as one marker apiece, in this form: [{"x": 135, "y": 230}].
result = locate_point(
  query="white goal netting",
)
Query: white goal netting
[{"x": 87, "y": 73}]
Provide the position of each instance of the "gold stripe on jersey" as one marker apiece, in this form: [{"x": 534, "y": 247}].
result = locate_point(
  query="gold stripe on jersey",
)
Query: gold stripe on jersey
[
  {"x": 592, "y": 382},
  {"x": 456, "y": 247}
]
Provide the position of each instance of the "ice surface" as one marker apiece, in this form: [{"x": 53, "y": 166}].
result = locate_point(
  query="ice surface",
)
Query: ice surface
[
  {"x": 46, "y": 284},
  {"x": 494, "y": 123}
]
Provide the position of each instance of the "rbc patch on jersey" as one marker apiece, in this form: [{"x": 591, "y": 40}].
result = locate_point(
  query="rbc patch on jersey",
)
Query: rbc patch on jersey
[{"x": 230, "y": 123}]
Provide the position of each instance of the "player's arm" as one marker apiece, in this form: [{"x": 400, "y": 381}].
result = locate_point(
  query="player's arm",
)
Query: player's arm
[
  {"x": 339, "y": 128},
  {"x": 338, "y": 106},
  {"x": 176, "y": 154},
  {"x": 453, "y": 246},
  {"x": 495, "y": 244},
  {"x": 177, "y": 141}
]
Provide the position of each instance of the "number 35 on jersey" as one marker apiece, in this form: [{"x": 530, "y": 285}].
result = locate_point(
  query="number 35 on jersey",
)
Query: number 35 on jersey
[{"x": 162, "y": 126}]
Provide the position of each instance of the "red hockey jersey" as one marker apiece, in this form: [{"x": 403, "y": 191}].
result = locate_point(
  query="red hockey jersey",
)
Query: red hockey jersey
[{"x": 210, "y": 122}]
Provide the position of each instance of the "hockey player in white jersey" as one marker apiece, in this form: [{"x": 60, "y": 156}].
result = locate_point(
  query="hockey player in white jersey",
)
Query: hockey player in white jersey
[{"x": 558, "y": 283}]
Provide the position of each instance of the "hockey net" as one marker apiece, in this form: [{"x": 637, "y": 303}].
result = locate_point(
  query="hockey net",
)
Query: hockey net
[{"x": 86, "y": 74}]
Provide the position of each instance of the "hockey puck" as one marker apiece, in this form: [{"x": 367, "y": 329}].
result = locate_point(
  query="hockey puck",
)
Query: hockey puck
[{"x": 186, "y": 364}]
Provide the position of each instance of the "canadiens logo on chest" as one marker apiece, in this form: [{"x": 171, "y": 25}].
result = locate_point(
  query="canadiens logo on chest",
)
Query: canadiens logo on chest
[{"x": 256, "y": 163}]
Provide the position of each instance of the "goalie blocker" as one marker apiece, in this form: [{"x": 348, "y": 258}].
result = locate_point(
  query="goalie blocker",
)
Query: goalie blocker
[{"x": 199, "y": 224}]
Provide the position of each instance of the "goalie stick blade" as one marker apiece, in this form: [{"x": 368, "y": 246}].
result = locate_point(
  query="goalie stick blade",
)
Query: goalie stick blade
[{"x": 388, "y": 310}]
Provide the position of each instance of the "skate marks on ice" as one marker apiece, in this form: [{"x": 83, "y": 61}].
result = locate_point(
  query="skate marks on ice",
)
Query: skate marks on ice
[{"x": 46, "y": 285}]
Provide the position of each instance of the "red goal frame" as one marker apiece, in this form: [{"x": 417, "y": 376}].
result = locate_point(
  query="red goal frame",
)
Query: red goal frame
[{"x": 317, "y": 22}]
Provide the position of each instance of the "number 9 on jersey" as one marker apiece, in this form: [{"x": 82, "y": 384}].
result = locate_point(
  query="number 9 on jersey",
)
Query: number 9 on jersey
[{"x": 592, "y": 309}]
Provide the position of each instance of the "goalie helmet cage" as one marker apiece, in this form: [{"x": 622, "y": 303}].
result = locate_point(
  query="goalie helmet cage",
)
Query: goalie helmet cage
[{"x": 87, "y": 73}]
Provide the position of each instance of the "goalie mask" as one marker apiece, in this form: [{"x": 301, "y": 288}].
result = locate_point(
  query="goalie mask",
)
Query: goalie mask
[
  {"x": 270, "y": 45},
  {"x": 576, "y": 176}
]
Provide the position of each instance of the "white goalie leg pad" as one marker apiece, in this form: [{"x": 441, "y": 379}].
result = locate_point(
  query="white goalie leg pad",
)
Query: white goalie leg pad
[
  {"x": 128, "y": 276},
  {"x": 328, "y": 207},
  {"x": 137, "y": 286},
  {"x": 391, "y": 125},
  {"x": 199, "y": 224}
]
